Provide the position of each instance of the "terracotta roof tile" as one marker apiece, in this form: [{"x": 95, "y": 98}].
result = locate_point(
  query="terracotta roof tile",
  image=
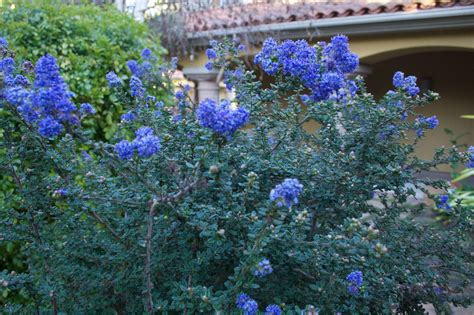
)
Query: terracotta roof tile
[{"x": 258, "y": 14}]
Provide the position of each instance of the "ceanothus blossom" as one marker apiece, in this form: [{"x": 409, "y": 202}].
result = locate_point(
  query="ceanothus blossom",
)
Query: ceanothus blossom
[
  {"x": 113, "y": 79},
  {"x": 247, "y": 304},
  {"x": 355, "y": 282},
  {"x": 146, "y": 53},
  {"x": 286, "y": 193},
  {"x": 87, "y": 109},
  {"x": 136, "y": 87},
  {"x": 263, "y": 268},
  {"x": 47, "y": 102},
  {"x": 323, "y": 73},
  {"x": 443, "y": 203},
  {"x": 427, "y": 122},
  {"x": 470, "y": 163},
  {"x": 145, "y": 144},
  {"x": 3, "y": 42},
  {"x": 408, "y": 84},
  {"x": 272, "y": 309},
  {"x": 221, "y": 118}
]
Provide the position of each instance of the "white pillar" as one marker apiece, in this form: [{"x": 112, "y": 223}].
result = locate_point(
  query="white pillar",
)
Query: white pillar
[{"x": 207, "y": 85}]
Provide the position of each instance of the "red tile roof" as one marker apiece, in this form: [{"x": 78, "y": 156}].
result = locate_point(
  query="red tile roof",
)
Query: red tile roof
[{"x": 263, "y": 13}]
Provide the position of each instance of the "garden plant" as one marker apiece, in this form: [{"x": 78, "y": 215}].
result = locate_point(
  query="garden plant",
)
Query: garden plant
[{"x": 232, "y": 206}]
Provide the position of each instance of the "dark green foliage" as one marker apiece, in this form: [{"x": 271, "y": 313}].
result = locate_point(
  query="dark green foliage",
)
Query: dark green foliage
[
  {"x": 182, "y": 231},
  {"x": 73, "y": 34}
]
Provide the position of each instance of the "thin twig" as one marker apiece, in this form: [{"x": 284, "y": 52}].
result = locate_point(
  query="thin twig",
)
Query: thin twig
[{"x": 149, "y": 234}]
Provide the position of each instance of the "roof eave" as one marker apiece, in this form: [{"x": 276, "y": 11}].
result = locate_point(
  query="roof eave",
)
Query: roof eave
[{"x": 422, "y": 20}]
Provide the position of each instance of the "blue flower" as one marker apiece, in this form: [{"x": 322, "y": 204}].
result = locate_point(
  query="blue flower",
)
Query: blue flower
[
  {"x": 21, "y": 80},
  {"x": 470, "y": 163},
  {"x": 143, "y": 132},
  {"x": 287, "y": 192},
  {"x": 241, "y": 47},
  {"x": 174, "y": 63},
  {"x": 263, "y": 268},
  {"x": 87, "y": 109},
  {"x": 273, "y": 309},
  {"x": 221, "y": 118},
  {"x": 443, "y": 203},
  {"x": 408, "y": 84},
  {"x": 86, "y": 156},
  {"x": 209, "y": 66},
  {"x": 113, "y": 79},
  {"x": 50, "y": 127},
  {"x": 134, "y": 67},
  {"x": 211, "y": 54},
  {"x": 250, "y": 307},
  {"x": 61, "y": 192},
  {"x": 355, "y": 279},
  {"x": 3, "y": 42},
  {"x": 430, "y": 123},
  {"x": 147, "y": 146},
  {"x": 146, "y": 53},
  {"x": 241, "y": 300},
  {"x": 322, "y": 73},
  {"x": 128, "y": 116},
  {"x": 179, "y": 95},
  {"x": 125, "y": 149},
  {"x": 398, "y": 79},
  {"x": 136, "y": 87},
  {"x": 7, "y": 65},
  {"x": 338, "y": 55}
]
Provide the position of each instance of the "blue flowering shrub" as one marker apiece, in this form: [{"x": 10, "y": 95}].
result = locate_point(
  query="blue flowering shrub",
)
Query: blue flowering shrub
[{"x": 228, "y": 207}]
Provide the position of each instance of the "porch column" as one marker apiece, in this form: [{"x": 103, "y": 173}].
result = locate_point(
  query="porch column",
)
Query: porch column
[{"x": 207, "y": 85}]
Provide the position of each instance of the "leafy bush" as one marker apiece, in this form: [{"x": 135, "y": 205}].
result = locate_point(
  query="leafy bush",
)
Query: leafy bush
[
  {"x": 74, "y": 33},
  {"x": 233, "y": 206}
]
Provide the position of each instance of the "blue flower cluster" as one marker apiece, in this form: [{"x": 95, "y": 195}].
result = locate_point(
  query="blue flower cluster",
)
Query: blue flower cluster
[
  {"x": 273, "y": 309},
  {"x": 408, "y": 84},
  {"x": 355, "y": 279},
  {"x": 3, "y": 42},
  {"x": 113, "y": 79},
  {"x": 136, "y": 87},
  {"x": 144, "y": 69},
  {"x": 87, "y": 109},
  {"x": 250, "y": 306},
  {"x": 221, "y": 118},
  {"x": 323, "y": 72},
  {"x": 427, "y": 122},
  {"x": 443, "y": 203},
  {"x": 47, "y": 103},
  {"x": 286, "y": 193},
  {"x": 247, "y": 304},
  {"x": 263, "y": 268},
  {"x": 145, "y": 144},
  {"x": 470, "y": 163},
  {"x": 61, "y": 192}
]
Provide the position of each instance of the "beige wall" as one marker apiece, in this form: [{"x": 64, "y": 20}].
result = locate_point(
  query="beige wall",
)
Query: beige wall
[{"x": 452, "y": 75}]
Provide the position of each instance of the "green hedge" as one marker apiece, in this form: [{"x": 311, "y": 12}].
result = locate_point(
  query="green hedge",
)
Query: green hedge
[{"x": 88, "y": 42}]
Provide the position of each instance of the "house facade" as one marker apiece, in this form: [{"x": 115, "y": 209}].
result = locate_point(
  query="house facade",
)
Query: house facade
[{"x": 433, "y": 40}]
